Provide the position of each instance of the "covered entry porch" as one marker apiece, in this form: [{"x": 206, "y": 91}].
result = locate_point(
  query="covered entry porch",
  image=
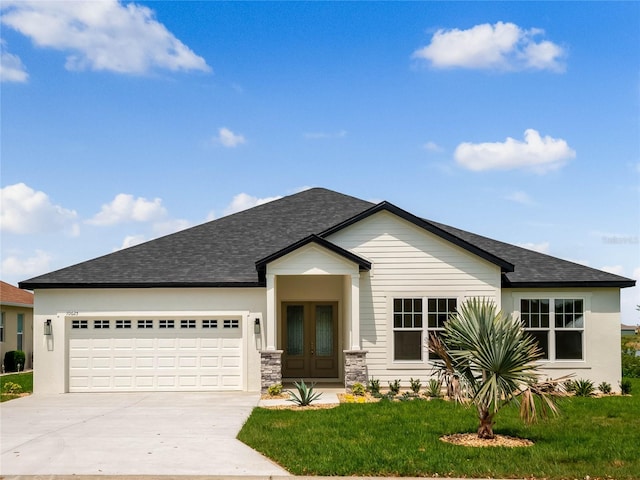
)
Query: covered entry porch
[{"x": 312, "y": 324}]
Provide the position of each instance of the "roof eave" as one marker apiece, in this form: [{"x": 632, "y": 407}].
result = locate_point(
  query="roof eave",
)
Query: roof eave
[
  {"x": 571, "y": 284},
  {"x": 71, "y": 285}
]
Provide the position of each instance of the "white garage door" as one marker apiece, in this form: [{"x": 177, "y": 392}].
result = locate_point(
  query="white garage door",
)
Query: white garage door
[{"x": 188, "y": 354}]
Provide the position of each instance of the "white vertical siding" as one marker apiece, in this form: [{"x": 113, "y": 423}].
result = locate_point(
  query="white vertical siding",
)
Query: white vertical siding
[{"x": 408, "y": 261}]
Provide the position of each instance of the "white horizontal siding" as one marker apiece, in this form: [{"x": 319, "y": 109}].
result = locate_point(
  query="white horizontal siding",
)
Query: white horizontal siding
[{"x": 408, "y": 261}]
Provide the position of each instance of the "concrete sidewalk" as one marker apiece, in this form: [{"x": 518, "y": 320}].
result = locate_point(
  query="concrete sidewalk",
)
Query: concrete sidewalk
[{"x": 166, "y": 433}]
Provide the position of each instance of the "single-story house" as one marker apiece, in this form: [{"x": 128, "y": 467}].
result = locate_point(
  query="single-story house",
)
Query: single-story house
[
  {"x": 629, "y": 330},
  {"x": 317, "y": 285},
  {"x": 16, "y": 322}
]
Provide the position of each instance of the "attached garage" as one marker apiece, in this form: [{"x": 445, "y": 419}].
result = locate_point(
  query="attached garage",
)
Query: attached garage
[{"x": 155, "y": 354}]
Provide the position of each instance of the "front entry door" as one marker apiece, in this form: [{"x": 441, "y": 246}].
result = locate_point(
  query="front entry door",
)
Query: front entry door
[{"x": 310, "y": 340}]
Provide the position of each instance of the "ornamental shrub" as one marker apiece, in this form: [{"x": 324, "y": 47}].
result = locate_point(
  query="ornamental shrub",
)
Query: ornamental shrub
[{"x": 12, "y": 359}]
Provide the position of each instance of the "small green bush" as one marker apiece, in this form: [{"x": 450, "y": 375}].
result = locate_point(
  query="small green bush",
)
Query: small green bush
[
  {"x": 584, "y": 388},
  {"x": 13, "y": 359},
  {"x": 625, "y": 386},
  {"x": 358, "y": 389},
  {"x": 11, "y": 388},
  {"x": 374, "y": 386},
  {"x": 605, "y": 388},
  {"x": 394, "y": 387},
  {"x": 415, "y": 385},
  {"x": 630, "y": 363},
  {"x": 275, "y": 389},
  {"x": 434, "y": 388}
]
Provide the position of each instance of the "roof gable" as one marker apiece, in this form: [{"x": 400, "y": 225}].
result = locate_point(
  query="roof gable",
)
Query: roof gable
[
  {"x": 261, "y": 265},
  {"x": 426, "y": 225}
]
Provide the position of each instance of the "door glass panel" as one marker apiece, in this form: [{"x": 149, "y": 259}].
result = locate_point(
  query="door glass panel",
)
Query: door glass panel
[
  {"x": 324, "y": 330},
  {"x": 295, "y": 329}
]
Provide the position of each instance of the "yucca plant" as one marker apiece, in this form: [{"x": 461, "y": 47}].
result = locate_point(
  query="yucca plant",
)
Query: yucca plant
[
  {"x": 374, "y": 386},
  {"x": 494, "y": 359},
  {"x": 605, "y": 388},
  {"x": 304, "y": 395},
  {"x": 415, "y": 385},
  {"x": 583, "y": 388},
  {"x": 394, "y": 387},
  {"x": 434, "y": 388}
]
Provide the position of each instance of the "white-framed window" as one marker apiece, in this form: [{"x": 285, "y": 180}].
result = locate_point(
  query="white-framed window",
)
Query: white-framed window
[
  {"x": 209, "y": 323},
  {"x": 438, "y": 312},
  {"x": 145, "y": 323},
  {"x": 557, "y": 325},
  {"x": 407, "y": 329},
  {"x": 415, "y": 319},
  {"x": 187, "y": 324},
  {"x": 166, "y": 324},
  {"x": 123, "y": 323},
  {"x": 79, "y": 324},
  {"x": 101, "y": 324}
]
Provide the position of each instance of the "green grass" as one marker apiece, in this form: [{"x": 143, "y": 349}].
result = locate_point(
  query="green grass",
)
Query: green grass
[
  {"x": 598, "y": 437},
  {"x": 25, "y": 380}
]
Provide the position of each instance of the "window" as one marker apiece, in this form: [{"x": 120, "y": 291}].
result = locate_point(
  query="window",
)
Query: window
[
  {"x": 231, "y": 324},
  {"x": 209, "y": 323},
  {"x": 145, "y": 323},
  {"x": 2, "y": 327},
  {"x": 187, "y": 324},
  {"x": 562, "y": 338},
  {"x": 167, "y": 324},
  {"x": 407, "y": 328},
  {"x": 438, "y": 312},
  {"x": 101, "y": 324},
  {"x": 79, "y": 324},
  {"x": 20, "y": 331},
  {"x": 123, "y": 323}
]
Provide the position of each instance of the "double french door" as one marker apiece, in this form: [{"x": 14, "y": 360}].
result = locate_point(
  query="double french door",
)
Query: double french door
[{"x": 310, "y": 337}]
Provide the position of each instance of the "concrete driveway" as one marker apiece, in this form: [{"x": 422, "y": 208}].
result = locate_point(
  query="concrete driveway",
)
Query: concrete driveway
[{"x": 129, "y": 434}]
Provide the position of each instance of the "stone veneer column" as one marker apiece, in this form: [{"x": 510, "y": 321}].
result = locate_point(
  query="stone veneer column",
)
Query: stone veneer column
[
  {"x": 355, "y": 368},
  {"x": 270, "y": 368}
]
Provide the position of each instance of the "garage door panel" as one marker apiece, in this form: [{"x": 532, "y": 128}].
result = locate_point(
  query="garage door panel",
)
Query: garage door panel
[{"x": 161, "y": 359}]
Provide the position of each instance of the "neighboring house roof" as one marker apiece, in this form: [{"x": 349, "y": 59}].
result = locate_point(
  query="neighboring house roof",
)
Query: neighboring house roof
[
  {"x": 15, "y": 297},
  {"x": 233, "y": 251},
  {"x": 628, "y": 327}
]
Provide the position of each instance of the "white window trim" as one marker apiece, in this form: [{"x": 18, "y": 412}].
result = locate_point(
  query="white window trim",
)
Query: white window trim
[
  {"x": 552, "y": 296},
  {"x": 425, "y": 362}
]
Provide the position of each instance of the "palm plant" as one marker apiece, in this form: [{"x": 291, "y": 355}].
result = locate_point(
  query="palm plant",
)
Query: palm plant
[{"x": 492, "y": 357}]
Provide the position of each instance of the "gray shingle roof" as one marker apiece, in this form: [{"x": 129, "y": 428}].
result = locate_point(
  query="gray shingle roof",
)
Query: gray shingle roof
[{"x": 224, "y": 252}]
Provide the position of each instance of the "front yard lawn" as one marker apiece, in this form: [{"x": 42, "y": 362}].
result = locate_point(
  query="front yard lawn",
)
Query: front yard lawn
[
  {"x": 598, "y": 437},
  {"x": 23, "y": 379}
]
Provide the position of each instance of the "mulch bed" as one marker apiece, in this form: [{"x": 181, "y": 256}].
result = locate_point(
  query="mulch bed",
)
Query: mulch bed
[{"x": 472, "y": 440}]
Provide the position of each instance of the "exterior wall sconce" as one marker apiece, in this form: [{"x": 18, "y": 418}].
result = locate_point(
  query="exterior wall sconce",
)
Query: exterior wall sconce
[
  {"x": 47, "y": 327},
  {"x": 256, "y": 326}
]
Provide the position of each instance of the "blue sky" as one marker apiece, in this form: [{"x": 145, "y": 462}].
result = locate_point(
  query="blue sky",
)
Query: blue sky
[{"x": 121, "y": 122}]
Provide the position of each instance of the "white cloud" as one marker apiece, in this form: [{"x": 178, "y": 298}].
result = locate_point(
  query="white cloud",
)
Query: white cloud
[
  {"x": 23, "y": 210},
  {"x": 520, "y": 197},
  {"x": 615, "y": 269},
  {"x": 503, "y": 46},
  {"x": 229, "y": 139},
  {"x": 536, "y": 153},
  {"x": 11, "y": 67},
  {"x": 432, "y": 147},
  {"x": 244, "y": 201},
  {"x": 325, "y": 135},
  {"x": 131, "y": 240},
  {"x": 104, "y": 35},
  {"x": 125, "y": 208},
  {"x": 542, "y": 247},
  {"x": 27, "y": 267}
]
